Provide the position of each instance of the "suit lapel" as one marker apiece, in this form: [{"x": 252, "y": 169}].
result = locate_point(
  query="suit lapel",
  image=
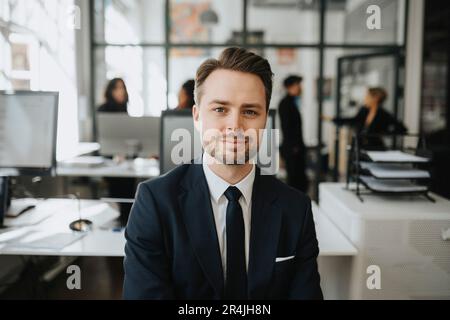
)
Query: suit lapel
[
  {"x": 264, "y": 235},
  {"x": 195, "y": 204},
  {"x": 198, "y": 217}
]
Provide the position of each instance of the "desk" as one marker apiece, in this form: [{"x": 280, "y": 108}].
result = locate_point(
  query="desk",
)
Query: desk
[
  {"x": 332, "y": 242},
  {"x": 139, "y": 168},
  {"x": 54, "y": 216},
  {"x": 51, "y": 219},
  {"x": 86, "y": 148},
  {"x": 402, "y": 235},
  {"x": 335, "y": 257}
]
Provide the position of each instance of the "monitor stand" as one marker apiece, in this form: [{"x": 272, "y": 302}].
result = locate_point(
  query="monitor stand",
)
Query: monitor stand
[{"x": 5, "y": 198}]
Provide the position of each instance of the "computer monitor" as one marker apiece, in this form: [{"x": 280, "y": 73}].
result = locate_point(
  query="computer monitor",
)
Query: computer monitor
[
  {"x": 177, "y": 129},
  {"x": 178, "y": 125},
  {"x": 28, "y": 126},
  {"x": 120, "y": 134},
  {"x": 5, "y": 198},
  {"x": 268, "y": 154}
]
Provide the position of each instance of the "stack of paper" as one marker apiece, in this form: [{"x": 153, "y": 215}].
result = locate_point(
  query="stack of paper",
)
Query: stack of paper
[
  {"x": 394, "y": 171},
  {"x": 391, "y": 185},
  {"x": 395, "y": 156}
]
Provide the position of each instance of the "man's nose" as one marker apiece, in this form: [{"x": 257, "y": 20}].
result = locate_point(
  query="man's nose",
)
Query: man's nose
[{"x": 234, "y": 122}]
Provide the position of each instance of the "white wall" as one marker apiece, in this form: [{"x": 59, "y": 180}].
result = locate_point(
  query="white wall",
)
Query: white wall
[
  {"x": 83, "y": 71},
  {"x": 413, "y": 84}
]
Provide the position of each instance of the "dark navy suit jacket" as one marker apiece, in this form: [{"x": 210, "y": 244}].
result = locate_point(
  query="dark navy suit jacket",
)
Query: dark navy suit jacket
[{"x": 172, "y": 251}]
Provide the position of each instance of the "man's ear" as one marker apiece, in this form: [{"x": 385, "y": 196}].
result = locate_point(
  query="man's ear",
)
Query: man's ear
[{"x": 196, "y": 117}]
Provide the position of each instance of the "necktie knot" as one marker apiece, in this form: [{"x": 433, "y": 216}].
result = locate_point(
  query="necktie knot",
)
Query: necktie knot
[{"x": 233, "y": 194}]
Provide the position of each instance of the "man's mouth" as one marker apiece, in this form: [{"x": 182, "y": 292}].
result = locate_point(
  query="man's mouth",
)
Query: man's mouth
[{"x": 235, "y": 140}]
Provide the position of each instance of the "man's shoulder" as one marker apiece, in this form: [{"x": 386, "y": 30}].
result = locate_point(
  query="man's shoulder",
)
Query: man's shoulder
[
  {"x": 285, "y": 102},
  {"x": 286, "y": 195},
  {"x": 292, "y": 204},
  {"x": 169, "y": 180}
]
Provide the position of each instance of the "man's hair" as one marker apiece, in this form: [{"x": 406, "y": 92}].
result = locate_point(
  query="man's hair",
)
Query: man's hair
[
  {"x": 236, "y": 59},
  {"x": 378, "y": 92},
  {"x": 292, "y": 79}
]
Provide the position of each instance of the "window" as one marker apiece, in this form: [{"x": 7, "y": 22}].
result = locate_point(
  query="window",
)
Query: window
[
  {"x": 284, "y": 21},
  {"x": 205, "y": 21},
  {"x": 183, "y": 64},
  {"x": 303, "y": 62},
  {"x": 143, "y": 72},
  {"x": 129, "y": 21},
  {"x": 37, "y": 53},
  {"x": 346, "y": 22},
  {"x": 287, "y": 32}
]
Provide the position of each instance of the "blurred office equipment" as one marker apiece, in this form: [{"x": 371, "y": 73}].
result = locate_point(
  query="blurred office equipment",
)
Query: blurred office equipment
[
  {"x": 129, "y": 136},
  {"x": 28, "y": 126},
  {"x": 5, "y": 198},
  {"x": 355, "y": 73},
  {"x": 28, "y": 123},
  {"x": 396, "y": 171},
  {"x": 180, "y": 142},
  {"x": 177, "y": 128},
  {"x": 268, "y": 153}
]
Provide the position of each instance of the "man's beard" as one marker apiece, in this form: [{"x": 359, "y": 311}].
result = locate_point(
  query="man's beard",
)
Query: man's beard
[{"x": 244, "y": 151}]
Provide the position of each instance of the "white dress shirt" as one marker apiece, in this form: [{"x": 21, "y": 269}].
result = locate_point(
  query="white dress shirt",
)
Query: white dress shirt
[{"x": 217, "y": 186}]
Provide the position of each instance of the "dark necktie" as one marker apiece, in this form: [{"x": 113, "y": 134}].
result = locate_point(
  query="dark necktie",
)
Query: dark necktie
[{"x": 236, "y": 280}]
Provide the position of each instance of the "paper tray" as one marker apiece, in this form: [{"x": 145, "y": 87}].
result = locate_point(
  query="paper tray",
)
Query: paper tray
[{"x": 392, "y": 186}]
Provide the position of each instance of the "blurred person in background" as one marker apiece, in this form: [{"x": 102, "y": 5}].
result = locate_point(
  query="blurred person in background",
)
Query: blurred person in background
[
  {"x": 116, "y": 97},
  {"x": 116, "y": 100},
  {"x": 372, "y": 119},
  {"x": 293, "y": 150},
  {"x": 186, "y": 95}
]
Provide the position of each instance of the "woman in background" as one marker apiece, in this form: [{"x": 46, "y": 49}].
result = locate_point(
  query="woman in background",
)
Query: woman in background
[
  {"x": 116, "y": 97},
  {"x": 116, "y": 100},
  {"x": 372, "y": 119},
  {"x": 186, "y": 96}
]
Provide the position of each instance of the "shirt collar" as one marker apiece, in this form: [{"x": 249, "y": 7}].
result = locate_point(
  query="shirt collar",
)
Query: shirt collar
[{"x": 218, "y": 186}]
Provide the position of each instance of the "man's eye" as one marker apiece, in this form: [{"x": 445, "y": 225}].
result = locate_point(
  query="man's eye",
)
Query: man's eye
[
  {"x": 219, "y": 109},
  {"x": 250, "y": 112}
]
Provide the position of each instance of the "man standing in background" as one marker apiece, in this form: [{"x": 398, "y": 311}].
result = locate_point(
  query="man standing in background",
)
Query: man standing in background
[{"x": 293, "y": 148}]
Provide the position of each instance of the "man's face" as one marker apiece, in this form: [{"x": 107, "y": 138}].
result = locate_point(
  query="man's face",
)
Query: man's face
[
  {"x": 182, "y": 98},
  {"x": 231, "y": 115},
  {"x": 295, "y": 89},
  {"x": 119, "y": 93},
  {"x": 370, "y": 100}
]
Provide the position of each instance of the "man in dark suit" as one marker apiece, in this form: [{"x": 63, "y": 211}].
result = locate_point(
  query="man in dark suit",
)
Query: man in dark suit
[
  {"x": 293, "y": 148},
  {"x": 219, "y": 228}
]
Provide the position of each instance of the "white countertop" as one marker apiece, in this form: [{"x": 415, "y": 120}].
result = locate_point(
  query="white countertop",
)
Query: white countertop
[
  {"x": 52, "y": 217},
  {"x": 332, "y": 242},
  {"x": 376, "y": 206},
  {"x": 139, "y": 168}
]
